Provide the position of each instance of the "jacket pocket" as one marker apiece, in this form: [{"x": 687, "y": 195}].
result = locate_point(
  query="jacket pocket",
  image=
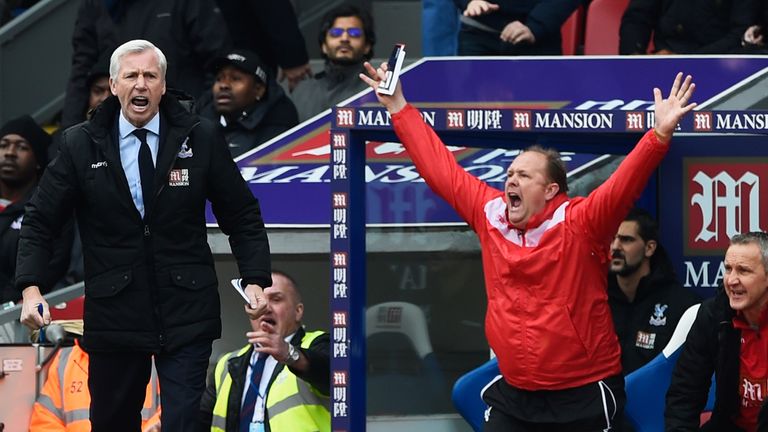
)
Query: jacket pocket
[
  {"x": 193, "y": 277},
  {"x": 108, "y": 285}
]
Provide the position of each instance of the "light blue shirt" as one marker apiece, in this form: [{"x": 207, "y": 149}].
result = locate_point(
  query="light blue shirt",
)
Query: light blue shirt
[{"x": 129, "y": 154}]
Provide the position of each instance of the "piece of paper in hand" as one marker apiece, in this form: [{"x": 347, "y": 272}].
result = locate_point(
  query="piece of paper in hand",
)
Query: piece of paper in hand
[
  {"x": 394, "y": 64},
  {"x": 240, "y": 290}
]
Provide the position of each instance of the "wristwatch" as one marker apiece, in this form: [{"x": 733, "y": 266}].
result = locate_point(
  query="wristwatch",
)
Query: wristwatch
[{"x": 293, "y": 355}]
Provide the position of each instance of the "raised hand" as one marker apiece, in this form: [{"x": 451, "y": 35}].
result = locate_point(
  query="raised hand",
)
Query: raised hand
[
  {"x": 669, "y": 111},
  {"x": 393, "y": 103}
]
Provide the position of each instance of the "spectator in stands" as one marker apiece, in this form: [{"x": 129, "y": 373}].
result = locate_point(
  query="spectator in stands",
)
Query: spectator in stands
[
  {"x": 63, "y": 403},
  {"x": 23, "y": 157},
  {"x": 645, "y": 297},
  {"x": 190, "y": 32},
  {"x": 269, "y": 29},
  {"x": 247, "y": 102},
  {"x": 685, "y": 26},
  {"x": 727, "y": 339},
  {"x": 346, "y": 39},
  {"x": 138, "y": 175},
  {"x": 511, "y": 27},
  {"x": 544, "y": 259},
  {"x": 280, "y": 381}
]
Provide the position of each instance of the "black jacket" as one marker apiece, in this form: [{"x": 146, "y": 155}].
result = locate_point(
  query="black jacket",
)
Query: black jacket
[
  {"x": 712, "y": 346},
  {"x": 268, "y": 28},
  {"x": 318, "y": 376},
  {"x": 189, "y": 32},
  {"x": 645, "y": 325},
  {"x": 148, "y": 285},
  {"x": 266, "y": 119},
  {"x": 543, "y": 17},
  {"x": 685, "y": 26},
  {"x": 10, "y": 225}
]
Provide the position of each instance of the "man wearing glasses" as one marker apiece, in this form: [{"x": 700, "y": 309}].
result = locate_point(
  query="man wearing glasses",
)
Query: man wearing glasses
[{"x": 346, "y": 40}]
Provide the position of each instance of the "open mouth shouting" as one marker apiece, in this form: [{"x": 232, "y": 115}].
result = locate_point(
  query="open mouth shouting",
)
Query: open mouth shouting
[
  {"x": 139, "y": 103},
  {"x": 269, "y": 320},
  {"x": 514, "y": 201}
]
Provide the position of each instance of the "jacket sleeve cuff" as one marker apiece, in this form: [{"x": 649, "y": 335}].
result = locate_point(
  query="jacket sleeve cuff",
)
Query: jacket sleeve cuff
[{"x": 260, "y": 280}]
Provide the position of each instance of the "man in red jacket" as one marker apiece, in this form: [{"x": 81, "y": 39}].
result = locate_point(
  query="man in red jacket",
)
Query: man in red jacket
[{"x": 544, "y": 259}]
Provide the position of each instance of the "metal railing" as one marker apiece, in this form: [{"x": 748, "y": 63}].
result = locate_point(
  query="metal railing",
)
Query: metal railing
[{"x": 35, "y": 59}]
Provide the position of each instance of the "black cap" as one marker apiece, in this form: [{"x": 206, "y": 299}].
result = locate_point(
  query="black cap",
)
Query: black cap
[
  {"x": 28, "y": 129},
  {"x": 244, "y": 60}
]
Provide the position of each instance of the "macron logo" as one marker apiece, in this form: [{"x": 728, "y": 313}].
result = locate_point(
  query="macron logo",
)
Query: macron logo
[{"x": 99, "y": 164}]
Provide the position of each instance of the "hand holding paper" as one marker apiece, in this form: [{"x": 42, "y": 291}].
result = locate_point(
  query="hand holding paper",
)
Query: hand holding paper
[
  {"x": 253, "y": 295},
  {"x": 394, "y": 102}
]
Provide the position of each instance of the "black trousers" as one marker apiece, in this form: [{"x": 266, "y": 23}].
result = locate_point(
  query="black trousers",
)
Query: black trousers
[
  {"x": 118, "y": 381},
  {"x": 595, "y": 407}
]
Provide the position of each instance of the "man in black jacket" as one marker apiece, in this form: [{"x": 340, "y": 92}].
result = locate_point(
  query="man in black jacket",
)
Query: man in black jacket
[
  {"x": 685, "y": 26},
  {"x": 138, "y": 175},
  {"x": 280, "y": 381},
  {"x": 512, "y": 27},
  {"x": 727, "y": 339},
  {"x": 247, "y": 102},
  {"x": 645, "y": 297}
]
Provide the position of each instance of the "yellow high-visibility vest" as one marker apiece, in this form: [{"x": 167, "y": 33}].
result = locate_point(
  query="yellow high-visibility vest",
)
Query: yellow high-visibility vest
[{"x": 292, "y": 404}]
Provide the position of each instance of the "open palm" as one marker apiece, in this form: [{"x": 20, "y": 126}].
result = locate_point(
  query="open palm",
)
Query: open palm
[{"x": 669, "y": 111}]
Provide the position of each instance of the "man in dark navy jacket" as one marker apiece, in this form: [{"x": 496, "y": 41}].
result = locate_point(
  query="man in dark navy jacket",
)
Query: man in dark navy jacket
[
  {"x": 645, "y": 297},
  {"x": 138, "y": 175}
]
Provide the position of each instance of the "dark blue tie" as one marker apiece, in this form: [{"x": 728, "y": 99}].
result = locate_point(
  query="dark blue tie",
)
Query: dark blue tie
[
  {"x": 249, "y": 404},
  {"x": 146, "y": 169}
]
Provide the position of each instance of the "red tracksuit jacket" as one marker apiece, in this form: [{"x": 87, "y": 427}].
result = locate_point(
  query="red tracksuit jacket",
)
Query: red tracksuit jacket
[{"x": 548, "y": 319}]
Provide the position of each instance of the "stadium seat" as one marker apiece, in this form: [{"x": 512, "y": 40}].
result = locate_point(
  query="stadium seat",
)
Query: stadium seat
[
  {"x": 572, "y": 32},
  {"x": 467, "y": 391},
  {"x": 646, "y": 387},
  {"x": 601, "y": 31},
  {"x": 401, "y": 362}
]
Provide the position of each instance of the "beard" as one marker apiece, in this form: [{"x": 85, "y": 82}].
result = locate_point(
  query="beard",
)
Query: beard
[{"x": 626, "y": 269}]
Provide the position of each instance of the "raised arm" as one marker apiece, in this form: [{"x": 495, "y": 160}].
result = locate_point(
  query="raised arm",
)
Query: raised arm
[{"x": 607, "y": 205}]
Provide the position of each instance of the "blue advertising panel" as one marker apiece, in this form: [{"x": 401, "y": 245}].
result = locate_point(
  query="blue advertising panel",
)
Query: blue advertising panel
[{"x": 291, "y": 174}]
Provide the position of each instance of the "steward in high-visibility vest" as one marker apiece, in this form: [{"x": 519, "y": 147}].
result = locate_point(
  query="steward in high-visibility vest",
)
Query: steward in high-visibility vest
[
  {"x": 64, "y": 402},
  {"x": 294, "y": 388}
]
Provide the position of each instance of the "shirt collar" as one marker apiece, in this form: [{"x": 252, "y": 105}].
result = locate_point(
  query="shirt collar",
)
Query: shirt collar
[
  {"x": 126, "y": 128},
  {"x": 740, "y": 322}
]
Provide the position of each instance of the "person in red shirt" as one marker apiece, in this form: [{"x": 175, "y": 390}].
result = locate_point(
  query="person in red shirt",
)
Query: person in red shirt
[
  {"x": 730, "y": 339},
  {"x": 544, "y": 258}
]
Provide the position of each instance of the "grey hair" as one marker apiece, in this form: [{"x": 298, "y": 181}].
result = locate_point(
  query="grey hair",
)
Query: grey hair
[
  {"x": 134, "y": 47},
  {"x": 758, "y": 238}
]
